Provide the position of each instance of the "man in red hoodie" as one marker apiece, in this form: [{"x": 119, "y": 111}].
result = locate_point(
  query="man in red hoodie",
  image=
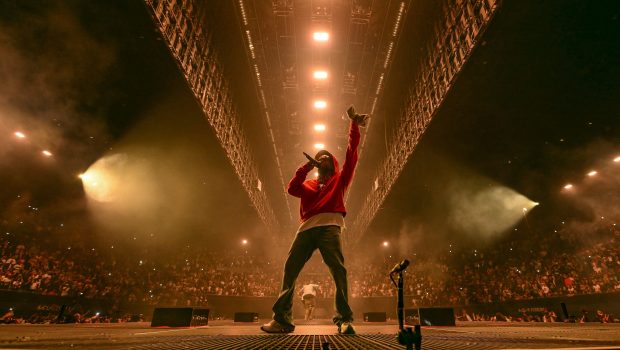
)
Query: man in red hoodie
[{"x": 322, "y": 214}]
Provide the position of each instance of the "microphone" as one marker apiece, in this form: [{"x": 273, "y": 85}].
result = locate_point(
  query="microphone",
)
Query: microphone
[
  {"x": 312, "y": 160},
  {"x": 401, "y": 266}
]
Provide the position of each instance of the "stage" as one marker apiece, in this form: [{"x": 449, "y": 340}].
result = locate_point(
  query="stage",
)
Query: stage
[{"x": 309, "y": 335}]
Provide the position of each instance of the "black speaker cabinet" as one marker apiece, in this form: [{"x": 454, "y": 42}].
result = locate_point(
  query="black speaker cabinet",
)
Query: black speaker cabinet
[
  {"x": 375, "y": 317},
  {"x": 437, "y": 316},
  {"x": 246, "y": 316},
  {"x": 180, "y": 317}
]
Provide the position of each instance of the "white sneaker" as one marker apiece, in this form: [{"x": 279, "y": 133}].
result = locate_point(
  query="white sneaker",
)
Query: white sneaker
[{"x": 276, "y": 327}]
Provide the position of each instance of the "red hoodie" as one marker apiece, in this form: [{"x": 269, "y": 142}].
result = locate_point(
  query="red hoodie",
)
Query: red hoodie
[{"x": 329, "y": 199}]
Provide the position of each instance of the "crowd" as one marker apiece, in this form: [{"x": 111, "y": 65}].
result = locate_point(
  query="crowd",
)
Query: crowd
[{"x": 509, "y": 271}]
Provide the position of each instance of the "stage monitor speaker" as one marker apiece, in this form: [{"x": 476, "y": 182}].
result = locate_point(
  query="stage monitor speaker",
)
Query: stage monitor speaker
[
  {"x": 437, "y": 316},
  {"x": 375, "y": 317},
  {"x": 246, "y": 316},
  {"x": 180, "y": 317}
]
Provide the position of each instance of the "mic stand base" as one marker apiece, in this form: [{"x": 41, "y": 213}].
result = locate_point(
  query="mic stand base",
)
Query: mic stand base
[{"x": 410, "y": 338}]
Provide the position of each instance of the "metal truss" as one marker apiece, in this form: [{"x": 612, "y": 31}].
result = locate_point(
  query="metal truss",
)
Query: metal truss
[
  {"x": 380, "y": 60},
  {"x": 455, "y": 35},
  {"x": 181, "y": 23},
  {"x": 258, "y": 60}
]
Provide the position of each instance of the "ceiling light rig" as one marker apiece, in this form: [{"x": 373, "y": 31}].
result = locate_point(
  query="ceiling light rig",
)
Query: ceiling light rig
[
  {"x": 320, "y": 36},
  {"x": 320, "y": 104},
  {"x": 319, "y": 127},
  {"x": 320, "y": 75}
]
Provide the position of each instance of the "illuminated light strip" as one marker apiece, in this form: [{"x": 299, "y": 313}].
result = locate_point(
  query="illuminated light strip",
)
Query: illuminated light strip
[
  {"x": 398, "y": 19},
  {"x": 243, "y": 15},
  {"x": 380, "y": 84},
  {"x": 388, "y": 56}
]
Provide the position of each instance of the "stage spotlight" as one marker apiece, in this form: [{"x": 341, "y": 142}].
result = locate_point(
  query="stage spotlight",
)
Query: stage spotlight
[
  {"x": 320, "y": 75},
  {"x": 244, "y": 242},
  {"x": 568, "y": 186},
  {"x": 319, "y": 127},
  {"x": 104, "y": 183},
  {"x": 592, "y": 173},
  {"x": 319, "y": 146},
  {"x": 320, "y": 104},
  {"x": 320, "y": 36},
  {"x": 46, "y": 153},
  {"x": 617, "y": 159},
  {"x": 20, "y": 134},
  {"x": 386, "y": 243},
  {"x": 316, "y": 174}
]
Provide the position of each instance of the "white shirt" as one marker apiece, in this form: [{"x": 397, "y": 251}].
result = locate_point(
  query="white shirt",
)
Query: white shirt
[
  {"x": 322, "y": 219},
  {"x": 309, "y": 289}
]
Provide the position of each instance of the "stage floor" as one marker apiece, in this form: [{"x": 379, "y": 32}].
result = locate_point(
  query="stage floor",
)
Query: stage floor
[{"x": 310, "y": 335}]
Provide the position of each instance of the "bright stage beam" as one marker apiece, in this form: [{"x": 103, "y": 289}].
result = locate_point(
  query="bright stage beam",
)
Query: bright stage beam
[
  {"x": 100, "y": 181},
  {"x": 488, "y": 212}
]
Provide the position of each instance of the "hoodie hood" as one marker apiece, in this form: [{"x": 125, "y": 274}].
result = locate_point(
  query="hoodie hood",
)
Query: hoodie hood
[{"x": 334, "y": 160}]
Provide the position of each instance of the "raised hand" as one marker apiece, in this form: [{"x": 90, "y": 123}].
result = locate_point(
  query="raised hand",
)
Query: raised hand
[{"x": 360, "y": 119}]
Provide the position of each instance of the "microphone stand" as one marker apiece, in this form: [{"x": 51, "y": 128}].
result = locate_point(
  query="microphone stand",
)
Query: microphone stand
[{"x": 406, "y": 336}]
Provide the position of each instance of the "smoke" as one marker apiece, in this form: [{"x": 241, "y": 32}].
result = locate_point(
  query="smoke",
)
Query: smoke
[
  {"x": 484, "y": 209},
  {"x": 168, "y": 177},
  {"x": 51, "y": 69}
]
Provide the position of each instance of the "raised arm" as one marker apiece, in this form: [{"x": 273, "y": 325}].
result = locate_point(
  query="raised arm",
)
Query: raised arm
[
  {"x": 296, "y": 185},
  {"x": 348, "y": 168}
]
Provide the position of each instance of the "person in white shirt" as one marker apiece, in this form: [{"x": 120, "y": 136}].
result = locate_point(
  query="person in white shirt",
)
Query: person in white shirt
[{"x": 308, "y": 295}]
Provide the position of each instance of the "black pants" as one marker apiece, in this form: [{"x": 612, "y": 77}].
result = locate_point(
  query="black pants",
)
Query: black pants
[{"x": 327, "y": 240}]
